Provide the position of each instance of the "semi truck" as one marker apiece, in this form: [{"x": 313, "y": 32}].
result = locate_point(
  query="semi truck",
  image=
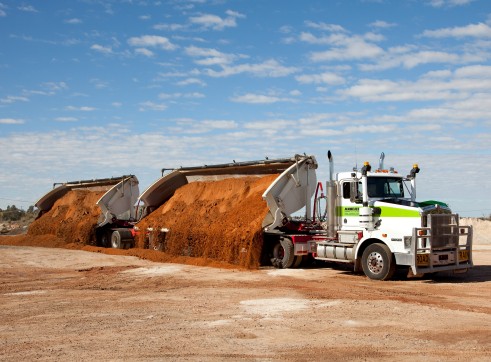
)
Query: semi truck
[{"x": 370, "y": 218}]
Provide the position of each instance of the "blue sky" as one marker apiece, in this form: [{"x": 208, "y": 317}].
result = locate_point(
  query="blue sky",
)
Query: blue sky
[{"x": 94, "y": 89}]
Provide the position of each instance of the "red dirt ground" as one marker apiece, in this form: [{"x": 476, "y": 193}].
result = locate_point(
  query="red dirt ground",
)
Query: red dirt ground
[{"x": 68, "y": 305}]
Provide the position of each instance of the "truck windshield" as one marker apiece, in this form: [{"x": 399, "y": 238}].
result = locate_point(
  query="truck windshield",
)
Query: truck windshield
[{"x": 385, "y": 187}]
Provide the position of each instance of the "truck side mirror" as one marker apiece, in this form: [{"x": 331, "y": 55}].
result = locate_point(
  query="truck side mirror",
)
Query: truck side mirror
[{"x": 354, "y": 195}]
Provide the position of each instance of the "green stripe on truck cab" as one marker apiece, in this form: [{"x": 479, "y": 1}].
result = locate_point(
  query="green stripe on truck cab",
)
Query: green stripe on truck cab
[{"x": 386, "y": 211}]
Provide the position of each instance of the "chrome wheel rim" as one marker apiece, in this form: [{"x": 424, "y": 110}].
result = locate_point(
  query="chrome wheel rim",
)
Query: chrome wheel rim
[{"x": 375, "y": 262}]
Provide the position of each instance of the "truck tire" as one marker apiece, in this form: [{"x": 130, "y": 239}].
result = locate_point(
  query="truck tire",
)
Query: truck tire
[
  {"x": 377, "y": 262},
  {"x": 154, "y": 243},
  {"x": 121, "y": 239},
  {"x": 116, "y": 240},
  {"x": 283, "y": 254},
  {"x": 297, "y": 261},
  {"x": 105, "y": 239}
]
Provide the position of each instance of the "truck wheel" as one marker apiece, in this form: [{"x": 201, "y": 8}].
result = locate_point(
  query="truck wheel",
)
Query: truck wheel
[
  {"x": 154, "y": 243},
  {"x": 116, "y": 240},
  {"x": 377, "y": 262},
  {"x": 106, "y": 239},
  {"x": 297, "y": 261},
  {"x": 122, "y": 239},
  {"x": 283, "y": 254}
]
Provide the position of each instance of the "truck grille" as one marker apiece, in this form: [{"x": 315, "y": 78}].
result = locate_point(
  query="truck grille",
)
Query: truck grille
[{"x": 444, "y": 230}]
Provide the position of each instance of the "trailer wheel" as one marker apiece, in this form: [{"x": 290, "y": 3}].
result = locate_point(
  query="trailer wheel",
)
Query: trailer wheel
[
  {"x": 105, "y": 239},
  {"x": 377, "y": 262},
  {"x": 297, "y": 261},
  {"x": 283, "y": 254},
  {"x": 116, "y": 240},
  {"x": 155, "y": 243},
  {"x": 121, "y": 239}
]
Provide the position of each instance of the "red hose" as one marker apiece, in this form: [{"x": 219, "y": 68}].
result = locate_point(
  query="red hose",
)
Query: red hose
[{"x": 319, "y": 186}]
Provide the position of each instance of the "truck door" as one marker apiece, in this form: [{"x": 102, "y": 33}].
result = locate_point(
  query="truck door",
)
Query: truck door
[{"x": 348, "y": 209}]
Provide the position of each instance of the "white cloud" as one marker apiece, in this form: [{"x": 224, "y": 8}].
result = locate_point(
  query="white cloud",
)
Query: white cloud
[
  {"x": 380, "y": 90},
  {"x": 276, "y": 125},
  {"x": 335, "y": 28},
  {"x": 171, "y": 27},
  {"x": 382, "y": 24},
  {"x": 54, "y": 86},
  {"x": 220, "y": 124},
  {"x": 145, "y": 52},
  {"x": 235, "y": 14},
  {"x": 81, "y": 109},
  {"x": 321, "y": 132},
  {"x": 27, "y": 8},
  {"x": 474, "y": 71},
  {"x": 323, "y": 40},
  {"x": 472, "y": 108},
  {"x": 173, "y": 75},
  {"x": 99, "y": 84},
  {"x": 457, "y": 88},
  {"x": 11, "y": 121},
  {"x": 210, "y": 56},
  {"x": 191, "y": 126},
  {"x": 351, "y": 48},
  {"x": 151, "y": 106},
  {"x": 370, "y": 129},
  {"x": 191, "y": 81},
  {"x": 322, "y": 78},
  {"x": 181, "y": 95},
  {"x": 425, "y": 57},
  {"x": 13, "y": 99},
  {"x": 215, "y": 22},
  {"x": 73, "y": 21},
  {"x": 479, "y": 30},
  {"x": 102, "y": 49},
  {"x": 269, "y": 68},
  {"x": 259, "y": 99},
  {"x": 449, "y": 3},
  {"x": 409, "y": 58},
  {"x": 342, "y": 46},
  {"x": 66, "y": 119},
  {"x": 285, "y": 29},
  {"x": 153, "y": 41}
]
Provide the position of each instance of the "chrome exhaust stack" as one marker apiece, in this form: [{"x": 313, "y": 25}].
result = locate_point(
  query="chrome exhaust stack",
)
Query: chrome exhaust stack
[
  {"x": 381, "y": 161},
  {"x": 331, "y": 191}
]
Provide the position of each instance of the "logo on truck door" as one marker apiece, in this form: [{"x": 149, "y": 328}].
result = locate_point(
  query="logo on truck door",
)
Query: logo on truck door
[{"x": 348, "y": 211}]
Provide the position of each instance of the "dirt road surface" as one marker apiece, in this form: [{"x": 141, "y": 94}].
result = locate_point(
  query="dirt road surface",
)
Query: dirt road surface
[{"x": 59, "y": 304}]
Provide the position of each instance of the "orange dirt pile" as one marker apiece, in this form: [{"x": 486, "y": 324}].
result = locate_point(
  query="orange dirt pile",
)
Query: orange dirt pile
[
  {"x": 219, "y": 220},
  {"x": 71, "y": 220},
  {"x": 215, "y": 224}
]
